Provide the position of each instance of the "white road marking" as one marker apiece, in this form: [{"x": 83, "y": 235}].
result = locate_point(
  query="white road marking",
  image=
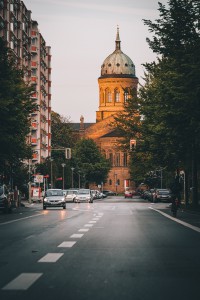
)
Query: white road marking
[
  {"x": 22, "y": 282},
  {"x": 92, "y": 222},
  {"x": 51, "y": 257},
  {"x": 95, "y": 219},
  {"x": 88, "y": 225},
  {"x": 84, "y": 229},
  {"x": 67, "y": 244},
  {"x": 17, "y": 220},
  {"x": 76, "y": 235},
  {"x": 177, "y": 220}
]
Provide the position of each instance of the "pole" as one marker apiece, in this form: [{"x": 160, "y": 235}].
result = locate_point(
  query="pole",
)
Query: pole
[
  {"x": 72, "y": 177},
  {"x": 29, "y": 182},
  {"x": 51, "y": 159},
  {"x": 63, "y": 165}
]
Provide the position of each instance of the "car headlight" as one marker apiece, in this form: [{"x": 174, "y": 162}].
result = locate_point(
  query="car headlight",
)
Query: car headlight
[{"x": 45, "y": 199}]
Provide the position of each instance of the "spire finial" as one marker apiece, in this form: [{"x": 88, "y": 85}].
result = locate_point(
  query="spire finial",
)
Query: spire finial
[{"x": 117, "y": 41}]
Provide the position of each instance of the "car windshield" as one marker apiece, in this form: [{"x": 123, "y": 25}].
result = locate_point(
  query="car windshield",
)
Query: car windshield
[
  {"x": 163, "y": 192},
  {"x": 83, "y": 192},
  {"x": 1, "y": 190},
  {"x": 71, "y": 192},
  {"x": 54, "y": 193}
]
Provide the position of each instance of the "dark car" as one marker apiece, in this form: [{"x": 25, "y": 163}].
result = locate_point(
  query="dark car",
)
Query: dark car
[
  {"x": 54, "y": 198},
  {"x": 5, "y": 200},
  {"x": 109, "y": 193},
  {"x": 162, "y": 195}
]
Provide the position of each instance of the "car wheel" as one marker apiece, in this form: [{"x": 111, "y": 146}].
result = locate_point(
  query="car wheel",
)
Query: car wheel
[
  {"x": 44, "y": 207},
  {"x": 64, "y": 207}
]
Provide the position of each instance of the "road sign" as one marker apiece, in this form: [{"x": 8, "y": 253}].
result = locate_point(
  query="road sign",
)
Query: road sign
[{"x": 39, "y": 178}]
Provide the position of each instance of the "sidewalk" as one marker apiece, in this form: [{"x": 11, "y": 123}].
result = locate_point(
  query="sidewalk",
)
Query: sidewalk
[{"x": 189, "y": 216}]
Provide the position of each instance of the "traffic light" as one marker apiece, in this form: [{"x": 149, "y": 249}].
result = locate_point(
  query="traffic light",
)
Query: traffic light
[{"x": 68, "y": 153}]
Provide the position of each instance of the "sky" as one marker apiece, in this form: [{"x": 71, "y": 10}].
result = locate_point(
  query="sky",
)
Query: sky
[{"x": 81, "y": 34}]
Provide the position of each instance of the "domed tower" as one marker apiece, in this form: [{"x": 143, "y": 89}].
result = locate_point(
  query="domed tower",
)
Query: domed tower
[{"x": 117, "y": 77}]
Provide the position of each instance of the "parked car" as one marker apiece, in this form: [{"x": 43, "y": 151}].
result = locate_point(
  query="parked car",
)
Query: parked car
[
  {"x": 84, "y": 195},
  {"x": 162, "y": 195},
  {"x": 148, "y": 194},
  {"x": 54, "y": 198},
  {"x": 70, "y": 195},
  {"x": 109, "y": 193},
  {"x": 128, "y": 194},
  {"x": 5, "y": 200}
]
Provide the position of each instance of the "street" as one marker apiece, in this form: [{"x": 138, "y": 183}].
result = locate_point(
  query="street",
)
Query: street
[{"x": 112, "y": 249}]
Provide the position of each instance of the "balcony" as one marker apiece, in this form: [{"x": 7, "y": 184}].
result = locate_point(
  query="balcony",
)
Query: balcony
[
  {"x": 34, "y": 79},
  {"x": 34, "y": 64},
  {"x": 35, "y": 156},
  {"x": 34, "y": 49},
  {"x": 34, "y": 96},
  {"x": 34, "y": 126},
  {"x": 33, "y": 141}
]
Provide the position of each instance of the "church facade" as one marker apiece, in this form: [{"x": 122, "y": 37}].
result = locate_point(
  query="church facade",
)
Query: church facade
[{"x": 116, "y": 80}]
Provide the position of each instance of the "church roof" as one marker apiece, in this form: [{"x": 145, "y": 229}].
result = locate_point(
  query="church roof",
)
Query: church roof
[
  {"x": 118, "y": 64},
  {"x": 76, "y": 126}
]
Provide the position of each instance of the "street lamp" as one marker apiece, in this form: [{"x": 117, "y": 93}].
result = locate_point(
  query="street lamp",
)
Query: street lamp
[
  {"x": 72, "y": 177},
  {"x": 63, "y": 166},
  {"x": 116, "y": 182},
  {"x": 51, "y": 160}
]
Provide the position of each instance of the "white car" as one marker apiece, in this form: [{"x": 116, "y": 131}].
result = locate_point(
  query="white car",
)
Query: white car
[
  {"x": 54, "y": 198},
  {"x": 84, "y": 195},
  {"x": 70, "y": 195}
]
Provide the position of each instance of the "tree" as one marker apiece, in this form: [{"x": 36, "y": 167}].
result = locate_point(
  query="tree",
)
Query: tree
[
  {"x": 177, "y": 39},
  {"x": 90, "y": 162},
  {"x": 16, "y": 106}
]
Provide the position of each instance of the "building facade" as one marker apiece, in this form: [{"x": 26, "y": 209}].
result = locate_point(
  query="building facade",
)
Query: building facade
[
  {"x": 116, "y": 80},
  {"x": 22, "y": 35}
]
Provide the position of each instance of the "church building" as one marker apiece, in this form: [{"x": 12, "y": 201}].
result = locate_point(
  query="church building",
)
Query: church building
[{"x": 117, "y": 78}]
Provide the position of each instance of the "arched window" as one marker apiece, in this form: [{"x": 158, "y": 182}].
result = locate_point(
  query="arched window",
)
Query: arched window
[
  {"x": 110, "y": 157},
  {"x": 110, "y": 181},
  {"x": 125, "y": 159},
  {"x": 117, "y": 159},
  {"x": 118, "y": 182},
  {"x": 101, "y": 96},
  {"x": 126, "y": 96},
  {"x": 117, "y": 96},
  {"x": 108, "y": 96}
]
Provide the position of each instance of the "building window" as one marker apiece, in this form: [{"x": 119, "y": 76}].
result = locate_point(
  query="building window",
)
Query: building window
[
  {"x": 125, "y": 96},
  {"x": 117, "y": 96},
  {"x": 125, "y": 160},
  {"x": 110, "y": 181},
  {"x": 108, "y": 96},
  {"x": 118, "y": 182},
  {"x": 111, "y": 158},
  {"x": 117, "y": 159}
]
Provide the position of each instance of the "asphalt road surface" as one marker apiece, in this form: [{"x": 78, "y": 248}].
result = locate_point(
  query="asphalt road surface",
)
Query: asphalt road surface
[{"x": 112, "y": 249}]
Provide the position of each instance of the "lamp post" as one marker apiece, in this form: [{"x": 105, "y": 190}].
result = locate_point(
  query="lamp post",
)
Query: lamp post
[
  {"x": 79, "y": 180},
  {"x": 115, "y": 183},
  {"x": 63, "y": 166},
  {"x": 51, "y": 160},
  {"x": 72, "y": 177}
]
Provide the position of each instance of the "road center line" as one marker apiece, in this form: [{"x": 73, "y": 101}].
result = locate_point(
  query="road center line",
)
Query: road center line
[
  {"x": 177, "y": 220},
  {"x": 22, "y": 282},
  {"x": 51, "y": 257}
]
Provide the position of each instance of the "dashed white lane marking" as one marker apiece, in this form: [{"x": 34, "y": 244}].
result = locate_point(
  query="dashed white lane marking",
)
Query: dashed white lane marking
[
  {"x": 88, "y": 225},
  {"x": 177, "y": 220},
  {"x": 95, "y": 219},
  {"x": 76, "y": 235},
  {"x": 67, "y": 244},
  {"x": 22, "y": 282},
  {"x": 84, "y": 229},
  {"x": 51, "y": 257},
  {"x": 92, "y": 222}
]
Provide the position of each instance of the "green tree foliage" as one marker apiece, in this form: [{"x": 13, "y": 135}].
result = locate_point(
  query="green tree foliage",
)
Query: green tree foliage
[
  {"x": 169, "y": 103},
  {"x": 16, "y": 106},
  {"x": 91, "y": 163}
]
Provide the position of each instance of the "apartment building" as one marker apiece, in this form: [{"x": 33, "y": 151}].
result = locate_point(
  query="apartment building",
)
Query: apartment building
[{"x": 27, "y": 43}]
